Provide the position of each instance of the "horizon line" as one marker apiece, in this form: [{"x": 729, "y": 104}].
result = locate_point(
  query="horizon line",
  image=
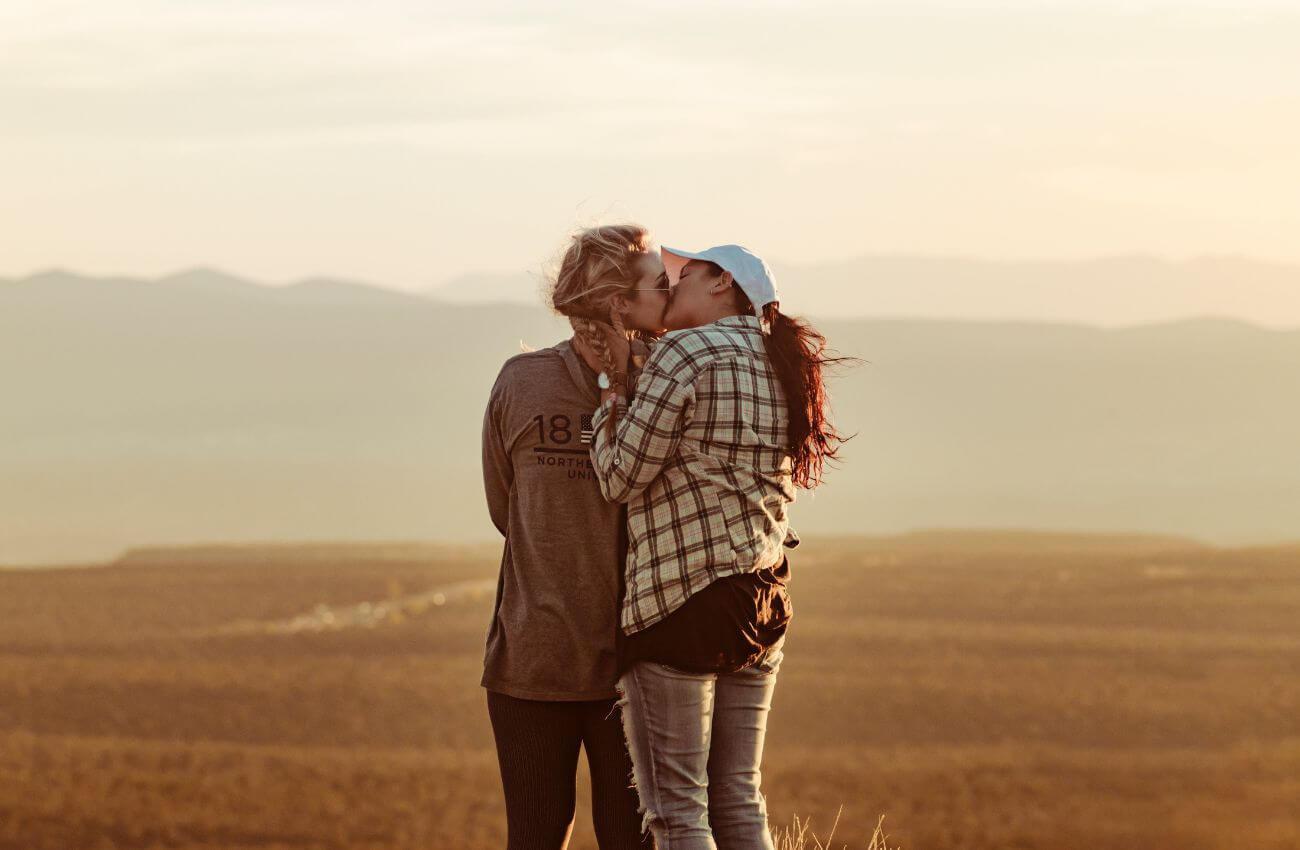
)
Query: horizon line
[
  {"x": 935, "y": 533},
  {"x": 987, "y": 260}
]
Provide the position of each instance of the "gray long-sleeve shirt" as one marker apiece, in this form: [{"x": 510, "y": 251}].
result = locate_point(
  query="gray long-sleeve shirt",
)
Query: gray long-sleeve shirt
[{"x": 555, "y": 621}]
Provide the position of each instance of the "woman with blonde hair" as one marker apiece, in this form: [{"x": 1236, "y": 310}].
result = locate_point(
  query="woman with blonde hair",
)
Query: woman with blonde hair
[{"x": 551, "y": 659}]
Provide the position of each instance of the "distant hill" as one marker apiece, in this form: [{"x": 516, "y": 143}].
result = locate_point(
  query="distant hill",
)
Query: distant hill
[
  {"x": 515, "y": 288},
  {"x": 198, "y": 408},
  {"x": 1108, "y": 291}
]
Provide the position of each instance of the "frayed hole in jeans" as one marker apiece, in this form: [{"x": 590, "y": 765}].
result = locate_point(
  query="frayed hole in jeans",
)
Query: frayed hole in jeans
[{"x": 648, "y": 818}]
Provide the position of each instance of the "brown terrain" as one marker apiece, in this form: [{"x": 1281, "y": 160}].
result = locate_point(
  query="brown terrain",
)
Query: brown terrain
[{"x": 979, "y": 690}]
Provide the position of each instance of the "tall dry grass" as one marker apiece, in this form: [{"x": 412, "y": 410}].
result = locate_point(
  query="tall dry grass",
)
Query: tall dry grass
[{"x": 800, "y": 836}]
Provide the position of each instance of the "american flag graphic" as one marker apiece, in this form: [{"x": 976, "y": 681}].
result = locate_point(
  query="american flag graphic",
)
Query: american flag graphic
[{"x": 586, "y": 429}]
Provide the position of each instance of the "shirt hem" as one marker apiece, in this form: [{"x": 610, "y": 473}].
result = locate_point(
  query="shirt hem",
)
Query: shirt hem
[
  {"x": 660, "y": 614},
  {"x": 641, "y": 621},
  {"x": 548, "y": 696}
]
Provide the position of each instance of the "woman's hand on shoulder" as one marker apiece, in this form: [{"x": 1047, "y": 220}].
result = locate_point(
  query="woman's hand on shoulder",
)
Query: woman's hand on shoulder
[
  {"x": 640, "y": 352},
  {"x": 616, "y": 339}
]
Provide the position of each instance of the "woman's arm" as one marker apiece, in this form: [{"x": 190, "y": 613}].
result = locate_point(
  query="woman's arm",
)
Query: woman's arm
[
  {"x": 645, "y": 436},
  {"x": 498, "y": 471}
]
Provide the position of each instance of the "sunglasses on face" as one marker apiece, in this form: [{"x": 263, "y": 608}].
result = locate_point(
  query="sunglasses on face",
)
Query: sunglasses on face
[{"x": 662, "y": 286}]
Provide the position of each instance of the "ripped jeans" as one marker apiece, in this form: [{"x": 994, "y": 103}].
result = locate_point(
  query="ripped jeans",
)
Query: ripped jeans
[{"x": 696, "y": 741}]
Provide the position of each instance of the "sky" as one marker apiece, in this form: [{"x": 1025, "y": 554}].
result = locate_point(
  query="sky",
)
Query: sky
[{"x": 407, "y": 143}]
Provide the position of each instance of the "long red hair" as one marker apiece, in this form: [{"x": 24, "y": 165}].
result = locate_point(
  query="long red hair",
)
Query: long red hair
[
  {"x": 800, "y": 357},
  {"x": 798, "y": 354}
]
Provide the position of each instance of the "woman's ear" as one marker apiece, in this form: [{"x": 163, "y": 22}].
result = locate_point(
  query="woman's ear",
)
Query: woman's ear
[
  {"x": 619, "y": 304},
  {"x": 721, "y": 283}
]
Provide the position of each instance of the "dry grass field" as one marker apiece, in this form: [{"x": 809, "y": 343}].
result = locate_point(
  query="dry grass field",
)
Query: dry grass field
[{"x": 979, "y": 690}]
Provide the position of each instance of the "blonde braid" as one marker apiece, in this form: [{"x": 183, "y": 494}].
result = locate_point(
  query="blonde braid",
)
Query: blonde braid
[
  {"x": 589, "y": 330},
  {"x": 617, "y": 321},
  {"x": 599, "y": 264}
]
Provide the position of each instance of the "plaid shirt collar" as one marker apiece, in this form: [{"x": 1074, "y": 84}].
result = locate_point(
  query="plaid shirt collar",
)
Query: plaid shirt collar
[{"x": 741, "y": 320}]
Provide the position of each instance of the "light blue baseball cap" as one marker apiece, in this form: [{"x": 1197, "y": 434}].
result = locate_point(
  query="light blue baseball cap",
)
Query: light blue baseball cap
[{"x": 749, "y": 271}]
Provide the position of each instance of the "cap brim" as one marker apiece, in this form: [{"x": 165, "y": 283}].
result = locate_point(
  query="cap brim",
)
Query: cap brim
[{"x": 675, "y": 261}]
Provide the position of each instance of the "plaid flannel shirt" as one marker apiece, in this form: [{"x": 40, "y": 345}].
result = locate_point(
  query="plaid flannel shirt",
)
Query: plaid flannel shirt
[{"x": 699, "y": 456}]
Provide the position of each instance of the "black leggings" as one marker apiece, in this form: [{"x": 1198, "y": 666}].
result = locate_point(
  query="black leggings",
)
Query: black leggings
[{"x": 537, "y": 748}]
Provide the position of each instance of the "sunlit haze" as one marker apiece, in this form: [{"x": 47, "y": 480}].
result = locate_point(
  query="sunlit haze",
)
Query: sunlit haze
[
  {"x": 306, "y": 533},
  {"x": 408, "y": 143}
]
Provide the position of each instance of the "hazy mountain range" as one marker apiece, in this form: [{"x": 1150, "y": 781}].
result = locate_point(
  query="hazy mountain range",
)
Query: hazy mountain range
[
  {"x": 1108, "y": 291},
  {"x": 202, "y": 407}
]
